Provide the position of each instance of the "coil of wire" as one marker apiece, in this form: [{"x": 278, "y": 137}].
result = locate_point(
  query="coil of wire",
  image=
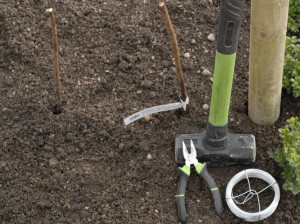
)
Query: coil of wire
[{"x": 246, "y": 174}]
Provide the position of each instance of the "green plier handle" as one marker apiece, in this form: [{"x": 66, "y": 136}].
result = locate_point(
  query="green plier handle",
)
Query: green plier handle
[{"x": 180, "y": 194}]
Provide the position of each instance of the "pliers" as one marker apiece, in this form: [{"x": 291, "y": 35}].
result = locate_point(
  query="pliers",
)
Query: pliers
[{"x": 201, "y": 168}]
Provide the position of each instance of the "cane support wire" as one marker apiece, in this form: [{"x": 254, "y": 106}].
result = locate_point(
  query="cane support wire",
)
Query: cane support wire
[{"x": 232, "y": 201}]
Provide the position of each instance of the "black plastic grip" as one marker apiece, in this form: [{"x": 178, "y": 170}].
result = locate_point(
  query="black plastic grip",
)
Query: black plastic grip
[
  {"x": 180, "y": 197},
  {"x": 229, "y": 25},
  {"x": 214, "y": 190}
]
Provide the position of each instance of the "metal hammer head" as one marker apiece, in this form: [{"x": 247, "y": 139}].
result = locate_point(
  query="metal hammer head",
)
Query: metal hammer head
[{"x": 234, "y": 149}]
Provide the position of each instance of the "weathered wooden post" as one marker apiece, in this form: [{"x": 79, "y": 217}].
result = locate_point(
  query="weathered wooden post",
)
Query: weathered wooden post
[{"x": 267, "y": 45}]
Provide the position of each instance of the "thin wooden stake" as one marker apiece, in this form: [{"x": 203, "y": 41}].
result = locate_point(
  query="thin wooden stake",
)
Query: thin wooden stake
[
  {"x": 55, "y": 60},
  {"x": 175, "y": 48}
]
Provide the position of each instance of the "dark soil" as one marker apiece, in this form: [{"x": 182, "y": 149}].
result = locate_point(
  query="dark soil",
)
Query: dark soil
[{"x": 84, "y": 165}]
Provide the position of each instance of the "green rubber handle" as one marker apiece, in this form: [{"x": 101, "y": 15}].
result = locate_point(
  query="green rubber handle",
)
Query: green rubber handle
[{"x": 227, "y": 43}]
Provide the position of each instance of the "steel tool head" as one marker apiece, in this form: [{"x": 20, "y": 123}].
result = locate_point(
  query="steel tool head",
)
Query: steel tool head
[
  {"x": 237, "y": 149},
  {"x": 190, "y": 158}
]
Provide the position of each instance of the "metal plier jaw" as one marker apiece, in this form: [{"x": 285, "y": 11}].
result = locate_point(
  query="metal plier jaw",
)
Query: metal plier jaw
[
  {"x": 201, "y": 169},
  {"x": 190, "y": 158}
]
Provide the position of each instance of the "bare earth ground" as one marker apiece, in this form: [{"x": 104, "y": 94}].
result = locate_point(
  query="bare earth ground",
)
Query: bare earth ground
[{"x": 84, "y": 166}]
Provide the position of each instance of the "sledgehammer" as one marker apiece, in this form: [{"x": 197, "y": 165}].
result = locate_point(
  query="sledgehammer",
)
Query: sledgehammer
[{"x": 216, "y": 146}]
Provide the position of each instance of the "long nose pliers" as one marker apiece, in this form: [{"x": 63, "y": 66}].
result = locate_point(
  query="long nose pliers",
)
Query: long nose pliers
[{"x": 201, "y": 169}]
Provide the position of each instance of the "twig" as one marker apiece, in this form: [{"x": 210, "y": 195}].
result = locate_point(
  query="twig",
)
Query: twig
[
  {"x": 175, "y": 48},
  {"x": 55, "y": 59}
]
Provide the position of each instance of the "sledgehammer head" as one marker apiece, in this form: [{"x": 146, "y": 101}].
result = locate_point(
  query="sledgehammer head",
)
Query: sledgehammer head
[{"x": 235, "y": 149}]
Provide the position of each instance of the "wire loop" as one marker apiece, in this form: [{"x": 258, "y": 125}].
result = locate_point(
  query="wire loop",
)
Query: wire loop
[{"x": 232, "y": 201}]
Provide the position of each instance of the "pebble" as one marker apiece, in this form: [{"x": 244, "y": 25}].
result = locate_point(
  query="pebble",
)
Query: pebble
[
  {"x": 147, "y": 118},
  {"x": 53, "y": 162},
  {"x": 205, "y": 106},
  {"x": 187, "y": 55},
  {"x": 149, "y": 156},
  {"x": 206, "y": 72},
  {"x": 206, "y": 51},
  {"x": 211, "y": 37},
  {"x": 193, "y": 41},
  {"x": 211, "y": 79}
]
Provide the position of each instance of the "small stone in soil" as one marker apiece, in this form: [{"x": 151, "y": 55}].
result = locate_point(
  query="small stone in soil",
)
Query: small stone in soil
[
  {"x": 53, "y": 162},
  {"x": 211, "y": 37},
  {"x": 187, "y": 55},
  {"x": 205, "y": 107},
  {"x": 147, "y": 118},
  {"x": 149, "y": 156},
  {"x": 206, "y": 72}
]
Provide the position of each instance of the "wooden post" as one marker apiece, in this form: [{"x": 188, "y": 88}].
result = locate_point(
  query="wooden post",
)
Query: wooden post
[{"x": 267, "y": 45}]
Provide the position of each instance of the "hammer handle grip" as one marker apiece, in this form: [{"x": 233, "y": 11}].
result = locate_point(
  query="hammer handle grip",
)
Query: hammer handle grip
[{"x": 229, "y": 25}]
